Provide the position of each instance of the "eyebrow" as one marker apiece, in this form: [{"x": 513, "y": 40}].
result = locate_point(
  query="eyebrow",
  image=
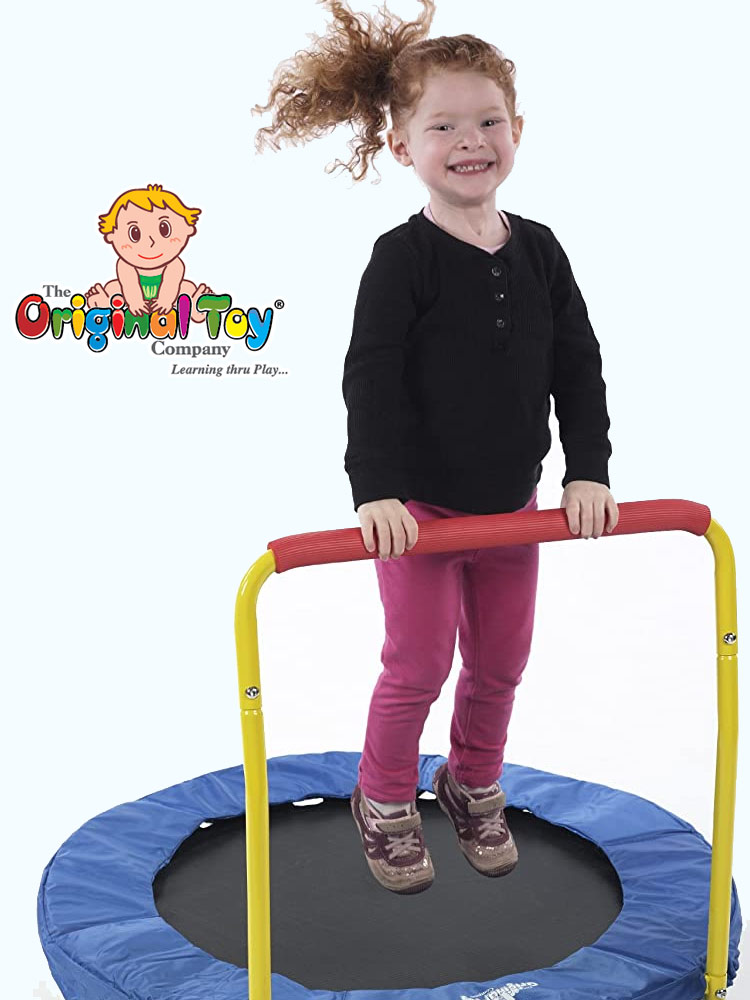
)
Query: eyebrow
[{"x": 495, "y": 109}]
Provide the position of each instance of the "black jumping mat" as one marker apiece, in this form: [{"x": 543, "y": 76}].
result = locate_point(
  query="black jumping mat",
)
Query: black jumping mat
[{"x": 334, "y": 927}]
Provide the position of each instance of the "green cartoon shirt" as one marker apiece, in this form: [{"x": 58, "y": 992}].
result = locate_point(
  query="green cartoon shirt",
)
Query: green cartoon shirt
[{"x": 150, "y": 285}]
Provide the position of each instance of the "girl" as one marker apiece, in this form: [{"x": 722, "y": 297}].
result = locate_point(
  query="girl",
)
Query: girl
[{"x": 466, "y": 321}]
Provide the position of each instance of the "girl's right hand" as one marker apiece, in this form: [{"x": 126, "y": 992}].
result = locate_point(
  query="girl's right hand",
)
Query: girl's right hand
[{"x": 396, "y": 528}]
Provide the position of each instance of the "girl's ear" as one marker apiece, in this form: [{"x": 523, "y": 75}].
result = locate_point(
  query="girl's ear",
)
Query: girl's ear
[
  {"x": 109, "y": 237},
  {"x": 398, "y": 146}
]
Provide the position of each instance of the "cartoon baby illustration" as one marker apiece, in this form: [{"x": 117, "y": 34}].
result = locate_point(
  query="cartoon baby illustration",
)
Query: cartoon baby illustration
[{"x": 148, "y": 229}]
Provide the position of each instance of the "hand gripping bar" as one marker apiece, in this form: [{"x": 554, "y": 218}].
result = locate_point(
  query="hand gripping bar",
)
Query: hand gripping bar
[{"x": 481, "y": 531}]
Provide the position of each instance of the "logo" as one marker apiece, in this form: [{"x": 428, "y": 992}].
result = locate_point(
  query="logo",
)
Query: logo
[
  {"x": 149, "y": 297},
  {"x": 506, "y": 992}
]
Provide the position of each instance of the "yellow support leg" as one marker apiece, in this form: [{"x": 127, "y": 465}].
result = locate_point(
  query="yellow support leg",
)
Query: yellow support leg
[
  {"x": 256, "y": 779},
  {"x": 726, "y": 765}
]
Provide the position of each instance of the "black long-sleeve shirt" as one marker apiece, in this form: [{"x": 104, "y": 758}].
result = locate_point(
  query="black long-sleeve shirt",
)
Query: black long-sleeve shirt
[{"x": 453, "y": 357}]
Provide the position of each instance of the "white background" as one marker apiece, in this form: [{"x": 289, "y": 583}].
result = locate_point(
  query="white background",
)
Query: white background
[{"x": 135, "y": 500}]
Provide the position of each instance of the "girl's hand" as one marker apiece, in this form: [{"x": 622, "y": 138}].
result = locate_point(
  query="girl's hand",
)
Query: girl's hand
[
  {"x": 588, "y": 505},
  {"x": 396, "y": 528}
]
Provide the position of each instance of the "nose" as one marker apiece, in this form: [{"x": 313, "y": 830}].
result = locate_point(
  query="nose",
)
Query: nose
[
  {"x": 153, "y": 241},
  {"x": 471, "y": 137}
]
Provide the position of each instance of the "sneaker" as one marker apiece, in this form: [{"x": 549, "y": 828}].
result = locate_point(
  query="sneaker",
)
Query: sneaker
[
  {"x": 479, "y": 822},
  {"x": 394, "y": 847}
]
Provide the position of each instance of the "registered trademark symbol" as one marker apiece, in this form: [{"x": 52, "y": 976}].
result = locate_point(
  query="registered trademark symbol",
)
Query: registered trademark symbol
[{"x": 279, "y": 304}]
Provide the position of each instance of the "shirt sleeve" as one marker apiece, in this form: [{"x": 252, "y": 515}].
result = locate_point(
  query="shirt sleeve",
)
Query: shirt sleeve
[
  {"x": 578, "y": 389},
  {"x": 379, "y": 412}
]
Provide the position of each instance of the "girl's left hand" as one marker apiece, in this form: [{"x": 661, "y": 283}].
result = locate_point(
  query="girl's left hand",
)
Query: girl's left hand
[{"x": 589, "y": 506}]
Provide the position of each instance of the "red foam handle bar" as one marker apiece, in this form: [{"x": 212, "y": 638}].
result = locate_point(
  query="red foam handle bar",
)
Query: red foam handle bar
[{"x": 481, "y": 531}]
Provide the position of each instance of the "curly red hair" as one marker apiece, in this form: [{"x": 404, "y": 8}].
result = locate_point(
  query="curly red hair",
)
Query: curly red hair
[{"x": 363, "y": 67}]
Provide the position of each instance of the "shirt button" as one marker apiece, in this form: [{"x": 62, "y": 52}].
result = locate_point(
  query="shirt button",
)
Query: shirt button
[
  {"x": 496, "y": 271},
  {"x": 500, "y": 322},
  {"x": 499, "y": 296}
]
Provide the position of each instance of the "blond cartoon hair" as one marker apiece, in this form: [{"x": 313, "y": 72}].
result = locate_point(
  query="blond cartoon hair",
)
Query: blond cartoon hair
[
  {"x": 147, "y": 198},
  {"x": 362, "y": 67}
]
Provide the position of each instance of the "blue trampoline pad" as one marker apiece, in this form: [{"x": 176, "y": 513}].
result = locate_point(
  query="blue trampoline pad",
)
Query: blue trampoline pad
[{"x": 109, "y": 916}]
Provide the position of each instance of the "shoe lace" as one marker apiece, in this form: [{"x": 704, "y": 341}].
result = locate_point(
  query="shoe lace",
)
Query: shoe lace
[
  {"x": 491, "y": 825},
  {"x": 403, "y": 844}
]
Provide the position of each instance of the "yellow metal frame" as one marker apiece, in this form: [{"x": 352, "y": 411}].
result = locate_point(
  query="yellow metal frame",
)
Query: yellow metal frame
[
  {"x": 726, "y": 762},
  {"x": 256, "y": 779}
]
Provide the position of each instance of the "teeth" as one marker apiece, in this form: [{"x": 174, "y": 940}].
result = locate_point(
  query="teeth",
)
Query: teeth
[{"x": 470, "y": 168}]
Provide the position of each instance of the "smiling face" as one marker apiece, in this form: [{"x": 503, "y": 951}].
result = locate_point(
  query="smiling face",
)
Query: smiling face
[
  {"x": 461, "y": 140},
  {"x": 149, "y": 239}
]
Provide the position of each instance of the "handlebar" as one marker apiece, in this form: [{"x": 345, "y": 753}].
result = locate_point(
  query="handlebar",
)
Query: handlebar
[{"x": 481, "y": 531}]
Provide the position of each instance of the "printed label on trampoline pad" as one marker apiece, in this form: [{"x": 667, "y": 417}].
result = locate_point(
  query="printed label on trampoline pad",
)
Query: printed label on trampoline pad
[{"x": 506, "y": 992}]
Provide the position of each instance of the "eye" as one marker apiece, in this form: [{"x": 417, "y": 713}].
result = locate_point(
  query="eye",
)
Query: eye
[
  {"x": 164, "y": 228},
  {"x": 493, "y": 121},
  {"x": 134, "y": 233},
  {"x": 439, "y": 127}
]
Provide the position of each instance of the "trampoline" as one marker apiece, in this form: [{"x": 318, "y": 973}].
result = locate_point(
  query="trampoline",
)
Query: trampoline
[{"x": 169, "y": 897}]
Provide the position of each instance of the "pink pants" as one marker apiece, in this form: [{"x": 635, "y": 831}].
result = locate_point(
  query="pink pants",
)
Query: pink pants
[{"x": 488, "y": 595}]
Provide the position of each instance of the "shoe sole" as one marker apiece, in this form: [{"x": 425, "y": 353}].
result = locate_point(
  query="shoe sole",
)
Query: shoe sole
[
  {"x": 491, "y": 872},
  {"x": 408, "y": 890}
]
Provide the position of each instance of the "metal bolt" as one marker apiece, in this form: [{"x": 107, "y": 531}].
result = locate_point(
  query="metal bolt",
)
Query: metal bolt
[
  {"x": 252, "y": 692},
  {"x": 730, "y": 638}
]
